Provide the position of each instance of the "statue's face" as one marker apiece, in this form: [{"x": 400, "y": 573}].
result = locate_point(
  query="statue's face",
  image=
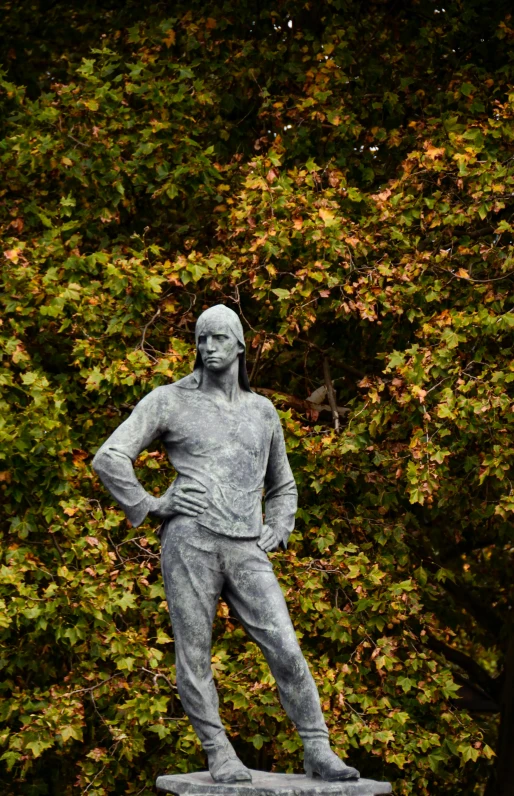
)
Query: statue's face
[{"x": 218, "y": 346}]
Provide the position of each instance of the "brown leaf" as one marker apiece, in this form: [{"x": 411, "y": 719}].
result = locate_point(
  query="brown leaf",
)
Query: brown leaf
[
  {"x": 17, "y": 224},
  {"x": 79, "y": 456}
]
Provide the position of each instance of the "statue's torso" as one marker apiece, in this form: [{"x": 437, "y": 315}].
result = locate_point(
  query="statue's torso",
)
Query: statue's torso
[{"x": 225, "y": 448}]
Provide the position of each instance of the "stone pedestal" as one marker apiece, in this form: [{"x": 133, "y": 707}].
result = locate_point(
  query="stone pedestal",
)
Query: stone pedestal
[{"x": 265, "y": 784}]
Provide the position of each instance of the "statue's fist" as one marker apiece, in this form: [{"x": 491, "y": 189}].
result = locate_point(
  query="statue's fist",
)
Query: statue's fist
[
  {"x": 188, "y": 499},
  {"x": 269, "y": 539}
]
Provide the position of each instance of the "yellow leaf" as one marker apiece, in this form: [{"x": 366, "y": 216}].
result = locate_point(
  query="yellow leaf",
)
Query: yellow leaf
[
  {"x": 463, "y": 273},
  {"x": 67, "y": 161},
  {"x": 433, "y": 152},
  {"x": 12, "y": 254},
  {"x": 328, "y": 217},
  {"x": 170, "y": 38}
]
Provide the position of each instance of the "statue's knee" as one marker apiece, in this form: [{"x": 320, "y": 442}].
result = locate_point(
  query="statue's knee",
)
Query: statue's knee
[
  {"x": 290, "y": 662},
  {"x": 194, "y": 664}
]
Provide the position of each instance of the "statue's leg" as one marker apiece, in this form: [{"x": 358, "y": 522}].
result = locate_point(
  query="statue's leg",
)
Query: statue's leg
[
  {"x": 193, "y": 581},
  {"x": 254, "y": 595}
]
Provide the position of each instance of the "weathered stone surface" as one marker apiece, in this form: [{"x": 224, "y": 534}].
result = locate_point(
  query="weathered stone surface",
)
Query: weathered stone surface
[
  {"x": 265, "y": 784},
  {"x": 227, "y": 446}
]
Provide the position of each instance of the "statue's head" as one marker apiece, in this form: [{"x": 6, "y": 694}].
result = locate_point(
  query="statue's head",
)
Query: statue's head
[{"x": 220, "y": 341}]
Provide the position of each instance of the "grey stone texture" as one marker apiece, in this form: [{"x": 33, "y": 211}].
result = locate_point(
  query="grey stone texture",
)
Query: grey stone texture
[
  {"x": 198, "y": 567},
  {"x": 227, "y": 447},
  {"x": 264, "y": 784}
]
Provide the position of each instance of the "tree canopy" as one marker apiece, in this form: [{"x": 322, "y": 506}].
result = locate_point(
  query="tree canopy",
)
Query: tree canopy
[{"x": 342, "y": 175}]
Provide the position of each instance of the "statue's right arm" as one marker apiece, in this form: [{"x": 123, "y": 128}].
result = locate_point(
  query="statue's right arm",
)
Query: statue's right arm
[{"x": 114, "y": 461}]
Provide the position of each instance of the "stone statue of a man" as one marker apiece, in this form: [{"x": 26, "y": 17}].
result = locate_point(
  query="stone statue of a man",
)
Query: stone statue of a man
[{"x": 227, "y": 446}]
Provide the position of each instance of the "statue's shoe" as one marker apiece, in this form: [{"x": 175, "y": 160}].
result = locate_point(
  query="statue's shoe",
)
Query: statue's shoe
[
  {"x": 320, "y": 761},
  {"x": 226, "y": 767}
]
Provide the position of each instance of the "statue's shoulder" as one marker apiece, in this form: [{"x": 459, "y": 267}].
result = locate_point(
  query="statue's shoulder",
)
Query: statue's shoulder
[
  {"x": 263, "y": 405},
  {"x": 189, "y": 382},
  {"x": 176, "y": 392},
  {"x": 169, "y": 393}
]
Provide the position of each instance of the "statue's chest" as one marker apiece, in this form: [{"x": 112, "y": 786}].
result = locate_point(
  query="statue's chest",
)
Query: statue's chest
[{"x": 208, "y": 429}]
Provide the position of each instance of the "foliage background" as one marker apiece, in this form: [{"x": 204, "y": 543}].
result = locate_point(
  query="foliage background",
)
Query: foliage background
[{"x": 341, "y": 173}]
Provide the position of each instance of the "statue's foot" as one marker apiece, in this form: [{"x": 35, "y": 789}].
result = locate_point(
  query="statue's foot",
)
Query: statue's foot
[
  {"x": 320, "y": 761},
  {"x": 225, "y": 766}
]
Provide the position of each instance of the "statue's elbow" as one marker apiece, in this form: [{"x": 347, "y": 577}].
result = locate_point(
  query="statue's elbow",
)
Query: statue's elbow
[{"x": 99, "y": 463}]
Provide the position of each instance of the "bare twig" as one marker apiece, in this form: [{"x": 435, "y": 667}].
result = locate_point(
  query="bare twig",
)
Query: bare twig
[
  {"x": 256, "y": 361},
  {"x": 156, "y": 675},
  {"x": 94, "y": 778},
  {"x": 57, "y": 547},
  {"x": 141, "y": 344},
  {"x": 331, "y": 394},
  {"x": 93, "y": 687},
  {"x": 80, "y": 143}
]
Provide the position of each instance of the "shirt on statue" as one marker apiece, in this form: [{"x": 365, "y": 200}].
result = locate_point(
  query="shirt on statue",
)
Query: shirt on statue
[{"x": 236, "y": 451}]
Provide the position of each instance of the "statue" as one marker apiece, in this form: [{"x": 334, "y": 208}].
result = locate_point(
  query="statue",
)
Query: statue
[{"x": 227, "y": 446}]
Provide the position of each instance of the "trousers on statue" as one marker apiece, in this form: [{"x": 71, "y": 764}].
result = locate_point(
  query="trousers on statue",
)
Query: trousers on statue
[{"x": 198, "y": 568}]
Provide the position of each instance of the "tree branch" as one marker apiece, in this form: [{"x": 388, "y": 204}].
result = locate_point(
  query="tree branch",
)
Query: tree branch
[
  {"x": 491, "y": 686},
  {"x": 340, "y": 365},
  {"x": 300, "y": 404},
  {"x": 256, "y": 362},
  {"x": 486, "y": 617},
  {"x": 331, "y": 394}
]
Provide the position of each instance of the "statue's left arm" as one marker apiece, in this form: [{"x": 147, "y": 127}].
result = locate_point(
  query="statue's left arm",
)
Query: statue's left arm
[{"x": 280, "y": 493}]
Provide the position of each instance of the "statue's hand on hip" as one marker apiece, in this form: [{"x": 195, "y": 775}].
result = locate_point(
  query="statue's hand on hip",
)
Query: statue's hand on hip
[
  {"x": 186, "y": 499},
  {"x": 269, "y": 539}
]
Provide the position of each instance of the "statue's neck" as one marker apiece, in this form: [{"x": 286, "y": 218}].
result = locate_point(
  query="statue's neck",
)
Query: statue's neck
[{"x": 222, "y": 385}]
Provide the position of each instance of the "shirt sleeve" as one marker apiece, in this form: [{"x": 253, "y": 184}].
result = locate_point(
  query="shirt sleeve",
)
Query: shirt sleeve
[
  {"x": 280, "y": 493},
  {"x": 114, "y": 461}
]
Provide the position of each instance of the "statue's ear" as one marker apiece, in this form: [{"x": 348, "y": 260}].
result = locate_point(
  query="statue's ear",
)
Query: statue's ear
[{"x": 241, "y": 348}]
